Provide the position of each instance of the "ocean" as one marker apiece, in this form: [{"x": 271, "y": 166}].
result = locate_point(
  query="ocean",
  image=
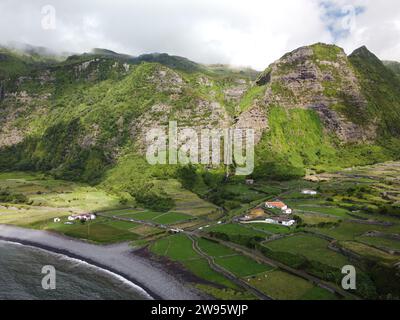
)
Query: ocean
[{"x": 21, "y": 277}]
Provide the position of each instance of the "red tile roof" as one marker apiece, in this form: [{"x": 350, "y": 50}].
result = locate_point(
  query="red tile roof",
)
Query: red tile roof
[{"x": 277, "y": 204}]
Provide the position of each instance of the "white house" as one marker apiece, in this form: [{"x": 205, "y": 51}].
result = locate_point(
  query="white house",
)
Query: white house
[
  {"x": 84, "y": 216},
  {"x": 287, "y": 211},
  {"x": 288, "y": 223},
  {"x": 309, "y": 192},
  {"x": 56, "y": 220}
]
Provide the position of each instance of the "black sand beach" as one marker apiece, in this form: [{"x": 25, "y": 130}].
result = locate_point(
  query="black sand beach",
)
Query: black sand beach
[{"x": 117, "y": 258}]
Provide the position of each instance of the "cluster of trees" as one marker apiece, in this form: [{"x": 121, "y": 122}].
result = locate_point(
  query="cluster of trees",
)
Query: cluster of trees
[
  {"x": 10, "y": 197},
  {"x": 152, "y": 197}
]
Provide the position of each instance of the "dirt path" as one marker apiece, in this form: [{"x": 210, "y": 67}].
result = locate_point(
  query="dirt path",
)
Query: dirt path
[
  {"x": 226, "y": 273},
  {"x": 258, "y": 256}
]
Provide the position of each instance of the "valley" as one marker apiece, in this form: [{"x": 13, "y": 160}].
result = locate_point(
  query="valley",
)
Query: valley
[
  {"x": 353, "y": 220},
  {"x": 324, "y": 193}
]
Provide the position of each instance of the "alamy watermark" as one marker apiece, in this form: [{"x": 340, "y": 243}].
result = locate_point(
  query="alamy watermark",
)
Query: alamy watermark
[
  {"x": 184, "y": 146},
  {"x": 349, "y": 280},
  {"x": 48, "y": 21},
  {"x": 49, "y": 280}
]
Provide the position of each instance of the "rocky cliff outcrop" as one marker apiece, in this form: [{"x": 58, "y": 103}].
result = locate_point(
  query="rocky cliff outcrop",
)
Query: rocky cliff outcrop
[{"x": 321, "y": 78}]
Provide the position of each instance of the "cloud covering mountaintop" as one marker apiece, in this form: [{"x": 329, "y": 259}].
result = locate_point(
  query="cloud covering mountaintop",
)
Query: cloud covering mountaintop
[{"x": 248, "y": 33}]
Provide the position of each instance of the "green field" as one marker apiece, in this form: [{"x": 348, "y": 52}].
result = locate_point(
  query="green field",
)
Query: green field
[
  {"x": 311, "y": 247},
  {"x": 284, "y": 286},
  {"x": 157, "y": 217},
  {"x": 48, "y": 198},
  {"x": 369, "y": 252},
  {"x": 101, "y": 230},
  {"x": 380, "y": 242},
  {"x": 269, "y": 228},
  {"x": 229, "y": 259},
  {"x": 179, "y": 248},
  {"x": 350, "y": 231},
  {"x": 214, "y": 249},
  {"x": 334, "y": 211},
  {"x": 236, "y": 229},
  {"x": 242, "y": 266}
]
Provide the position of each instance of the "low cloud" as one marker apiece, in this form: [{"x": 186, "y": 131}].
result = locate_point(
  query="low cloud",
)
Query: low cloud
[{"x": 248, "y": 33}]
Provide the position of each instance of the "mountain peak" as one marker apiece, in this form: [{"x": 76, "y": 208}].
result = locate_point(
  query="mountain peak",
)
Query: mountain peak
[{"x": 364, "y": 52}]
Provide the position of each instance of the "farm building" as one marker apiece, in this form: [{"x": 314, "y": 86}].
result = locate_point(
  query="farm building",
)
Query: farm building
[
  {"x": 287, "y": 211},
  {"x": 274, "y": 220},
  {"x": 281, "y": 220},
  {"x": 83, "y": 216},
  {"x": 309, "y": 192},
  {"x": 276, "y": 205},
  {"x": 249, "y": 182}
]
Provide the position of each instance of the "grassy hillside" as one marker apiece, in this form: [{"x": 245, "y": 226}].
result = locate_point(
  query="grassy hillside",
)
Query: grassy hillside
[
  {"x": 83, "y": 118},
  {"x": 381, "y": 88}
]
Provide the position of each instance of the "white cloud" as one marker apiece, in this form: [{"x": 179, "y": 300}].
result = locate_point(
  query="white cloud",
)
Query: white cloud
[
  {"x": 251, "y": 32},
  {"x": 377, "y": 28}
]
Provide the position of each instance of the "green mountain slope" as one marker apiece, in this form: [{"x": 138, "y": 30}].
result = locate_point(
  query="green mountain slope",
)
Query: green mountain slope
[
  {"x": 394, "y": 66},
  {"x": 84, "y": 118},
  {"x": 327, "y": 111}
]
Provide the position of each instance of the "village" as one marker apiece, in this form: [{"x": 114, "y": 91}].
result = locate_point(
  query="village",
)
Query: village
[{"x": 273, "y": 212}]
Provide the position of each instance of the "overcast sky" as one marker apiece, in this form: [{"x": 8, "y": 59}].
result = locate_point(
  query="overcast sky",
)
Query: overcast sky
[{"x": 246, "y": 32}]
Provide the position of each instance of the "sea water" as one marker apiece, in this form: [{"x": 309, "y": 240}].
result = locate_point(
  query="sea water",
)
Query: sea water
[{"x": 21, "y": 277}]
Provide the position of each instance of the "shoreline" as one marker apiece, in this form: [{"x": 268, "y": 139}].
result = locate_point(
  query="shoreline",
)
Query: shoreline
[
  {"x": 139, "y": 286},
  {"x": 117, "y": 259}
]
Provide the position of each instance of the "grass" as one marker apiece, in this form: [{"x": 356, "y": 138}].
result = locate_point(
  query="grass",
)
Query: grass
[
  {"x": 270, "y": 228},
  {"x": 242, "y": 266},
  {"x": 101, "y": 230},
  {"x": 350, "y": 231},
  {"x": 214, "y": 249},
  {"x": 229, "y": 259},
  {"x": 309, "y": 207},
  {"x": 370, "y": 252},
  {"x": 179, "y": 248},
  {"x": 311, "y": 247},
  {"x": 314, "y": 219},
  {"x": 284, "y": 286},
  {"x": 380, "y": 242},
  {"x": 158, "y": 217},
  {"x": 236, "y": 229}
]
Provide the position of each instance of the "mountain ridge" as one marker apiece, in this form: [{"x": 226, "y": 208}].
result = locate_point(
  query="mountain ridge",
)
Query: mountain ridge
[{"x": 314, "y": 109}]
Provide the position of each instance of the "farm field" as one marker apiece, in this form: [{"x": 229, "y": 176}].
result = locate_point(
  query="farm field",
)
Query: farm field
[
  {"x": 242, "y": 266},
  {"x": 269, "y": 228},
  {"x": 350, "y": 231},
  {"x": 236, "y": 229},
  {"x": 380, "y": 242},
  {"x": 186, "y": 202},
  {"x": 179, "y": 248},
  {"x": 311, "y": 247},
  {"x": 283, "y": 286},
  {"x": 350, "y": 206},
  {"x": 101, "y": 230},
  {"x": 47, "y": 198},
  {"x": 369, "y": 252},
  {"x": 158, "y": 217}
]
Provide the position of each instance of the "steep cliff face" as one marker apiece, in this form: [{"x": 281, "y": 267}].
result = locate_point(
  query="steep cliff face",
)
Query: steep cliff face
[
  {"x": 381, "y": 88},
  {"x": 313, "y": 109},
  {"x": 320, "y": 78},
  {"x": 324, "y": 110}
]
